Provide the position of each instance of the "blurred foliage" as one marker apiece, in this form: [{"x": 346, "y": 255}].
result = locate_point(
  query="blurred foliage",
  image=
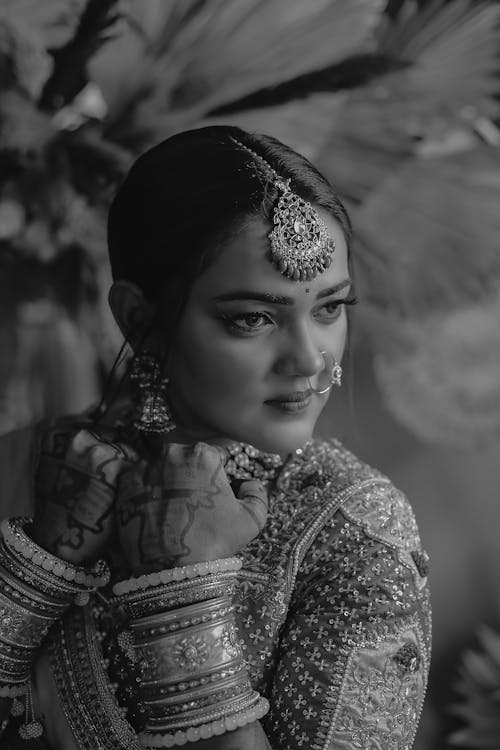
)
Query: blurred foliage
[
  {"x": 479, "y": 688},
  {"x": 395, "y": 101}
]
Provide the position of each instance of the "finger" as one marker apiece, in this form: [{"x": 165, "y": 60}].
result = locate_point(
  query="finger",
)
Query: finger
[
  {"x": 254, "y": 500},
  {"x": 198, "y": 457}
]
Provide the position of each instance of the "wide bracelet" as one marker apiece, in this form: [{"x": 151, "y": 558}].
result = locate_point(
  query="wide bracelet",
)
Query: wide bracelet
[
  {"x": 162, "y": 598},
  {"x": 193, "y": 680},
  {"x": 36, "y": 588}
]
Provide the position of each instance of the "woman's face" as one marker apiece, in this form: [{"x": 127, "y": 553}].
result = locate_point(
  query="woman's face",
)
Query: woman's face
[{"x": 250, "y": 338}]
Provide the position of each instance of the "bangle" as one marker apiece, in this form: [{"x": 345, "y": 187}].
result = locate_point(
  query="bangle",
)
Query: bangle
[
  {"x": 192, "y": 676},
  {"x": 196, "y": 570},
  {"x": 14, "y": 534},
  {"x": 206, "y": 730},
  {"x": 138, "y": 604},
  {"x": 57, "y": 590}
]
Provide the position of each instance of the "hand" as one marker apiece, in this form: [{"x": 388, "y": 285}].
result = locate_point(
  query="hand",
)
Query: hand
[
  {"x": 180, "y": 509},
  {"x": 75, "y": 489}
]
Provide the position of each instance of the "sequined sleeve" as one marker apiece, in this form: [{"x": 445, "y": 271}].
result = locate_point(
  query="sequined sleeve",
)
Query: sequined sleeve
[{"x": 354, "y": 651}]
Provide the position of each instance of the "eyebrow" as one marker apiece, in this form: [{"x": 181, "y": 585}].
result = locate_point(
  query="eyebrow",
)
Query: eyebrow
[{"x": 275, "y": 299}]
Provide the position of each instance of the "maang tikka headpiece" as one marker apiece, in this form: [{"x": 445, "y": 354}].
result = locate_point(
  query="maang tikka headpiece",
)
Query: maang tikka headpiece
[{"x": 300, "y": 244}]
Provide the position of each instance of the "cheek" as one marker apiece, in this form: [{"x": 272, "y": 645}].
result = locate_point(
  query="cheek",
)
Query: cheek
[{"x": 212, "y": 365}]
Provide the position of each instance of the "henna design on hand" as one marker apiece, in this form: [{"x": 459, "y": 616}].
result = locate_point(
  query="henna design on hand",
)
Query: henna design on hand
[
  {"x": 75, "y": 486},
  {"x": 161, "y": 515}
]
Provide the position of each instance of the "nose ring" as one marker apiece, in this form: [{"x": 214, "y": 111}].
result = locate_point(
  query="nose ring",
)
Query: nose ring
[{"x": 335, "y": 374}]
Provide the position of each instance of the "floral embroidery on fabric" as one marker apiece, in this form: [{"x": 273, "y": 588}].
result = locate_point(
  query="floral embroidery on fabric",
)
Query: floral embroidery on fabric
[
  {"x": 380, "y": 706},
  {"x": 386, "y": 514}
]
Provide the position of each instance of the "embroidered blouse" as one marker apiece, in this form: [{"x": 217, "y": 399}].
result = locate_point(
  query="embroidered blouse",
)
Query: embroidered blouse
[{"x": 332, "y": 609}]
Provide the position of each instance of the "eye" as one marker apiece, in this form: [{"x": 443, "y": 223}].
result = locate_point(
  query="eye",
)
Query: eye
[
  {"x": 247, "y": 322},
  {"x": 332, "y": 310}
]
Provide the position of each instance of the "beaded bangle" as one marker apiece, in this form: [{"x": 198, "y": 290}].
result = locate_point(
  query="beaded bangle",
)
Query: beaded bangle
[
  {"x": 206, "y": 730},
  {"x": 60, "y": 591},
  {"x": 14, "y": 534},
  {"x": 169, "y": 575}
]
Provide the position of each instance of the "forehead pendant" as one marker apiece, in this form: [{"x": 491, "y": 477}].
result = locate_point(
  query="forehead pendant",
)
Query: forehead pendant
[{"x": 300, "y": 244}]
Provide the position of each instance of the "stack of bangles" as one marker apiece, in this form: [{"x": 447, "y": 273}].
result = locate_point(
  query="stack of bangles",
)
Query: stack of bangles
[
  {"x": 182, "y": 638},
  {"x": 36, "y": 588}
]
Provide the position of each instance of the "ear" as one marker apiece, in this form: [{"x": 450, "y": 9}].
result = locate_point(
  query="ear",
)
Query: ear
[{"x": 132, "y": 312}]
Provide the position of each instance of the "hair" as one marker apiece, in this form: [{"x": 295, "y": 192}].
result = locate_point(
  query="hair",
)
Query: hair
[{"x": 183, "y": 197}]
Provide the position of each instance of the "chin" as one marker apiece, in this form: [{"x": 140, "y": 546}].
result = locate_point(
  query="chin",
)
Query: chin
[{"x": 282, "y": 440}]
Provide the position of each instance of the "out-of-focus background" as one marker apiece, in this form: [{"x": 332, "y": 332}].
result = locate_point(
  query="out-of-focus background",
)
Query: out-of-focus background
[{"x": 397, "y": 102}]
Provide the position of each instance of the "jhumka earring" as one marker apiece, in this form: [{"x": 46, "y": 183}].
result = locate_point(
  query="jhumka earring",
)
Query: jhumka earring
[
  {"x": 334, "y": 371},
  {"x": 153, "y": 412}
]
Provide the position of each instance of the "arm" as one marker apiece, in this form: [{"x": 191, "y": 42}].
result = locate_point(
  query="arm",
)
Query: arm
[
  {"x": 355, "y": 649},
  {"x": 181, "y": 511},
  {"x": 73, "y": 482}
]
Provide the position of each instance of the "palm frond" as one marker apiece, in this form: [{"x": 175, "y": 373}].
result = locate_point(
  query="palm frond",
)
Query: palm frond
[
  {"x": 453, "y": 51},
  {"x": 434, "y": 225},
  {"x": 207, "y": 54},
  {"x": 303, "y": 124},
  {"x": 450, "y": 51},
  {"x": 244, "y": 47}
]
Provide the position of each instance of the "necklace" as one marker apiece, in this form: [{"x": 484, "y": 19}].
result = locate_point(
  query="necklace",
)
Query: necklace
[{"x": 247, "y": 462}]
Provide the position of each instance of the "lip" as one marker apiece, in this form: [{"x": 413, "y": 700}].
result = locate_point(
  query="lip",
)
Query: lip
[
  {"x": 291, "y": 402},
  {"x": 294, "y": 397}
]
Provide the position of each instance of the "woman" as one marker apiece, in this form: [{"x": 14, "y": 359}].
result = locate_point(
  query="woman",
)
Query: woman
[{"x": 231, "y": 280}]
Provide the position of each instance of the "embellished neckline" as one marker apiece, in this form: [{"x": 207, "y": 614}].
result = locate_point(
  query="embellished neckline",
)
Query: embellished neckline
[{"x": 247, "y": 462}]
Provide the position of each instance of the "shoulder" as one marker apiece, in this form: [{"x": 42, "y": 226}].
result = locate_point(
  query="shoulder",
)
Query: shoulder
[
  {"x": 327, "y": 462},
  {"x": 339, "y": 484}
]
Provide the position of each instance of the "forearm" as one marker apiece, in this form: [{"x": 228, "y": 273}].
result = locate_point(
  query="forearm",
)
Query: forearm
[{"x": 183, "y": 634}]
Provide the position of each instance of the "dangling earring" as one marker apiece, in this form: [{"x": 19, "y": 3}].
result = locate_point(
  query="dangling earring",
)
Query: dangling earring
[
  {"x": 153, "y": 412},
  {"x": 335, "y": 369}
]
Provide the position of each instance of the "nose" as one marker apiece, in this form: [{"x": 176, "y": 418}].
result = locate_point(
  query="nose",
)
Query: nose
[{"x": 301, "y": 355}]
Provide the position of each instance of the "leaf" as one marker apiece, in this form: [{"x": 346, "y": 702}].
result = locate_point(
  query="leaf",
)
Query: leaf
[
  {"x": 304, "y": 124},
  {"x": 368, "y": 141},
  {"x": 431, "y": 234},
  {"x": 207, "y": 54},
  {"x": 451, "y": 51},
  {"x": 453, "y": 48}
]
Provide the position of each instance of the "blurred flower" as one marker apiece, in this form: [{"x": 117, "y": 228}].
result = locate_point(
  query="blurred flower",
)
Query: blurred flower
[
  {"x": 89, "y": 104},
  {"x": 38, "y": 241},
  {"x": 444, "y": 383},
  {"x": 24, "y": 62},
  {"x": 85, "y": 226},
  {"x": 11, "y": 218}
]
